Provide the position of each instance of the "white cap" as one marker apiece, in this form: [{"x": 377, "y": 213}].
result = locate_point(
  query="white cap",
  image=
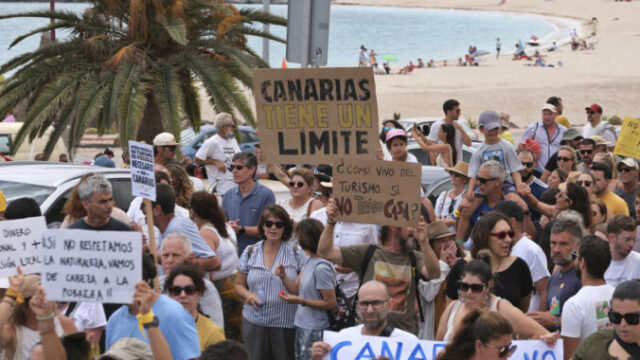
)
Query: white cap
[
  {"x": 549, "y": 107},
  {"x": 165, "y": 139}
]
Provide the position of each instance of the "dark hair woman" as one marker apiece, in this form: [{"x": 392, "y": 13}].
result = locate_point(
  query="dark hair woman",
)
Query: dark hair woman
[
  {"x": 572, "y": 196},
  {"x": 446, "y": 151}
]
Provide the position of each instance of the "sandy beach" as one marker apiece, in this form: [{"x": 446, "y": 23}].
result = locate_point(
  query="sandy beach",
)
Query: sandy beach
[{"x": 608, "y": 75}]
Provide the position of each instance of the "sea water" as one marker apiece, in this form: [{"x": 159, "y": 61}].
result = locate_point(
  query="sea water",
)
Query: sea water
[{"x": 406, "y": 33}]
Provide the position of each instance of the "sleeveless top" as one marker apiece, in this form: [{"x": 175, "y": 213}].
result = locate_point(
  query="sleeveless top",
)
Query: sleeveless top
[
  {"x": 226, "y": 252},
  {"x": 299, "y": 213},
  {"x": 27, "y": 340},
  {"x": 448, "y": 336}
]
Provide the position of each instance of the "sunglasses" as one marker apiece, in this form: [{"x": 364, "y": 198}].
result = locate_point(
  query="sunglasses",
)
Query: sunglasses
[
  {"x": 475, "y": 288},
  {"x": 630, "y": 318},
  {"x": 296, "y": 184},
  {"x": 387, "y": 128},
  {"x": 484, "y": 180},
  {"x": 503, "y": 234},
  {"x": 586, "y": 152},
  {"x": 278, "y": 224},
  {"x": 505, "y": 350},
  {"x": 170, "y": 147},
  {"x": 564, "y": 158},
  {"x": 625, "y": 169},
  {"x": 177, "y": 290},
  {"x": 590, "y": 112},
  {"x": 239, "y": 167},
  {"x": 528, "y": 164},
  {"x": 586, "y": 183}
]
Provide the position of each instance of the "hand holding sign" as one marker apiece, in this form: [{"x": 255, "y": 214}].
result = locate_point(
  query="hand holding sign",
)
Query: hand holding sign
[
  {"x": 421, "y": 233},
  {"x": 144, "y": 297}
]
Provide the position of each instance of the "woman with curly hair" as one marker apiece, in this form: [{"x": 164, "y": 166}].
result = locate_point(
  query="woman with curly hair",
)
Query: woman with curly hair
[{"x": 181, "y": 184}]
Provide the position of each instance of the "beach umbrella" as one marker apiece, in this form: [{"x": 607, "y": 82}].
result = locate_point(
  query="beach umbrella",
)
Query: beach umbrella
[
  {"x": 520, "y": 45},
  {"x": 389, "y": 58}
]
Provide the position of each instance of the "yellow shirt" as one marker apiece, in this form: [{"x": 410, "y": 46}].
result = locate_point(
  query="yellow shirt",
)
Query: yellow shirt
[
  {"x": 208, "y": 332},
  {"x": 615, "y": 204},
  {"x": 506, "y": 134}
]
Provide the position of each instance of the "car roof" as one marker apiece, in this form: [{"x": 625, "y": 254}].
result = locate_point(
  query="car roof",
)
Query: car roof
[{"x": 46, "y": 173}]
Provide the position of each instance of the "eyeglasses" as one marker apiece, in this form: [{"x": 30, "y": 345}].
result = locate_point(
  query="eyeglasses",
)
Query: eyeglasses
[
  {"x": 586, "y": 151},
  {"x": 586, "y": 183},
  {"x": 177, "y": 290},
  {"x": 170, "y": 147},
  {"x": 564, "y": 158},
  {"x": 278, "y": 224},
  {"x": 528, "y": 164},
  {"x": 630, "y": 318},
  {"x": 504, "y": 351},
  {"x": 296, "y": 184},
  {"x": 376, "y": 304},
  {"x": 387, "y": 128},
  {"x": 503, "y": 234},
  {"x": 484, "y": 180},
  {"x": 475, "y": 288},
  {"x": 239, "y": 167}
]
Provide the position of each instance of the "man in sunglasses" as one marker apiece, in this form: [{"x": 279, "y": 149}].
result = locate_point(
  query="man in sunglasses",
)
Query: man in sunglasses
[
  {"x": 216, "y": 154},
  {"x": 622, "y": 342},
  {"x": 602, "y": 175},
  {"x": 598, "y": 127},
  {"x": 165, "y": 148},
  {"x": 373, "y": 307},
  {"x": 628, "y": 170},
  {"x": 625, "y": 263},
  {"x": 586, "y": 311},
  {"x": 537, "y": 186},
  {"x": 587, "y": 150}
]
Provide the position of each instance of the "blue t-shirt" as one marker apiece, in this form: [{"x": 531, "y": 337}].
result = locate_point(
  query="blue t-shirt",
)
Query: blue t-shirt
[
  {"x": 185, "y": 226},
  {"x": 176, "y": 324},
  {"x": 317, "y": 274},
  {"x": 247, "y": 209}
]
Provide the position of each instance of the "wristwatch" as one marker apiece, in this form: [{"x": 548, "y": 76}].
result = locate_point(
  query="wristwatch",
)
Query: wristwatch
[
  {"x": 153, "y": 323},
  {"x": 241, "y": 231}
]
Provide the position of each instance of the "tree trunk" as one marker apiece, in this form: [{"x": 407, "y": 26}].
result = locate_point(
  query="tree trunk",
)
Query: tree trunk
[{"x": 151, "y": 123}]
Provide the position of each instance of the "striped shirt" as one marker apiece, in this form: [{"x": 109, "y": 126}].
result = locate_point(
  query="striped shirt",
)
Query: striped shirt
[{"x": 275, "y": 312}]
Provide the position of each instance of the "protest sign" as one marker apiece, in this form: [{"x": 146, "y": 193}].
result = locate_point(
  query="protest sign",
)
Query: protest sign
[
  {"x": 143, "y": 180},
  {"x": 316, "y": 116},
  {"x": 377, "y": 192},
  {"x": 628, "y": 143},
  {"x": 398, "y": 348},
  {"x": 20, "y": 244},
  {"x": 92, "y": 266}
]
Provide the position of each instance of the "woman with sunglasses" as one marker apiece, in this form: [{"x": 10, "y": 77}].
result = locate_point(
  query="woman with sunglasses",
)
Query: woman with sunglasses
[
  {"x": 268, "y": 328},
  {"x": 482, "y": 336},
  {"x": 475, "y": 293},
  {"x": 557, "y": 177},
  {"x": 571, "y": 196},
  {"x": 448, "y": 201},
  {"x": 301, "y": 188},
  {"x": 567, "y": 159},
  {"x": 587, "y": 181},
  {"x": 186, "y": 286}
]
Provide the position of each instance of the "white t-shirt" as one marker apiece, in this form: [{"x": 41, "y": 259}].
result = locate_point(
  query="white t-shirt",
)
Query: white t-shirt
[
  {"x": 221, "y": 149},
  {"x": 87, "y": 316},
  {"x": 433, "y": 136},
  {"x": 410, "y": 157},
  {"x": 533, "y": 255},
  {"x": 622, "y": 270},
  {"x": 586, "y": 311},
  {"x": 356, "y": 331}
]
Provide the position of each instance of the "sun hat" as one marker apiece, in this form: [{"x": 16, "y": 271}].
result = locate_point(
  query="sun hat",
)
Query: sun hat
[
  {"x": 438, "y": 230},
  {"x": 489, "y": 120},
  {"x": 128, "y": 349},
  {"x": 630, "y": 162},
  {"x": 461, "y": 168},
  {"x": 395, "y": 133},
  {"x": 595, "y": 108},
  {"x": 165, "y": 139},
  {"x": 599, "y": 140},
  {"x": 571, "y": 134},
  {"x": 549, "y": 107},
  {"x": 562, "y": 120}
]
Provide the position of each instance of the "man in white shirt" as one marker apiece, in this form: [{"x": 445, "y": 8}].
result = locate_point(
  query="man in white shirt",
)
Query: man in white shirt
[
  {"x": 598, "y": 127},
  {"x": 373, "y": 307},
  {"x": 547, "y": 133},
  {"x": 586, "y": 312},
  {"x": 452, "y": 112},
  {"x": 625, "y": 263},
  {"x": 216, "y": 154}
]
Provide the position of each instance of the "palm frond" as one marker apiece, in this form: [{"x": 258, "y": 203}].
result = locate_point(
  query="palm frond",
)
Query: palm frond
[
  {"x": 168, "y": 95},
  {"x": 191, "y": 100}
]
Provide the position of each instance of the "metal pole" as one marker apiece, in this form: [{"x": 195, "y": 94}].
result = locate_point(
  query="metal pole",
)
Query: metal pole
[
  {"x": 265, "y": 28},
  {"x": 52, "y": 5}
]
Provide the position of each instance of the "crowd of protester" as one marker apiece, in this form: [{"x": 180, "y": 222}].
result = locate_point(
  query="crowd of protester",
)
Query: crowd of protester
[{"x": 536, "y": 240}]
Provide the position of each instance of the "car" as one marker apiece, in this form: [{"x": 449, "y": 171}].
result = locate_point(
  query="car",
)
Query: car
[
  {"x": 27, "y": 150},
  {"x": 424, "y": 125},
  {"x": 192, "y": 141},
  {"x": 50, "y": 184}
]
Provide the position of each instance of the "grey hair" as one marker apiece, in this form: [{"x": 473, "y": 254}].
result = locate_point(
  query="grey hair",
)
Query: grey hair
[
  {"x": 496, "y": 169},
  {"x": 186, "y": 243},
  {"x": 574, "y": 216},
  {"x": 561, "y": 225},
  {"x": 92, "y": 185},
  {"x": 247, "y": 158},
  {"x": 223, "y": 119}
]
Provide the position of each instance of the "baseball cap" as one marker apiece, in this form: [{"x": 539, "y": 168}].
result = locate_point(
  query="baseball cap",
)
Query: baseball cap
[
  {"x": 595, "y": 108},
  {"x": 489, "y": 120},
  {"x": 223, "y": 119},
  {"x": 128, "y": 349},
  {"x": 549, "y": 107},
  {"x": 438, "y": 230},
  {"x": 165, "y": 139},
  {"x": 630, "y": 162},
  {"x": 395, "y": 133}
]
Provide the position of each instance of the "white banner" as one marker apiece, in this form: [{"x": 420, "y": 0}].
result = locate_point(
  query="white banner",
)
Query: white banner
[
  {"x": 20, "y": 245},
  {"x": 143, "y": 179},
  {"x": 371, "y": 347},
  {"x": 92, "y": 266}
]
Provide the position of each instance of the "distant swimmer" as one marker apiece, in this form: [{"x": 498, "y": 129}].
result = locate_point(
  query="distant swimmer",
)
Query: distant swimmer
[{"x": 498, "y": 46}]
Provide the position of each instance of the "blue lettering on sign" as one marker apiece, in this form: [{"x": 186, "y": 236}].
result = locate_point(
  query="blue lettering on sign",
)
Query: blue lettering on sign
[
  {"x": 417, "y": 351},
  {"x": 436, "y": 349},
  {"x": 386, "y": 351},
  {"x": 547, "y": 354},
  {"x": 335, "y": 349},
  {"x": 370, "y": 355}
]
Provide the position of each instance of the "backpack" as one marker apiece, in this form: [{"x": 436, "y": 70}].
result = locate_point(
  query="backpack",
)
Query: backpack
[{"x": 344, "y": 315}]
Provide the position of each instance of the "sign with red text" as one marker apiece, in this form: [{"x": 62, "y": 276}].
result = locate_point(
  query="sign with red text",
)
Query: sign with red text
[
  {"x": 377, "y": 192},
  {"x": 316, "y": 116},
  {"x": 628, "y": 143}
]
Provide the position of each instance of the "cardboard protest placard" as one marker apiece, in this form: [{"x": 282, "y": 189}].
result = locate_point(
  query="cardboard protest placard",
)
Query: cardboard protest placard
[
  {"x": 143, "y": 179},
  {"x": 316, "y": 116},
  {"x": 20, "y": 244},
  {"x": 400, "y": 348},
  {"x": 377, "y": 192},
  {"x": 628, "y": 143},
  {"x": 92, "y": 266}
]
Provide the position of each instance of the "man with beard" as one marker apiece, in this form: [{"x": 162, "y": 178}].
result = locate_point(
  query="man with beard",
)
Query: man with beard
[
  {"x": 586, "y": 311},
  {"x": 602, "y": 175},
  {"x": 598, "y": 127},
  {"x": 528, "y": 160},
  {"x": 564, "y": 282},
  {"x": 625, "y": 263},
  {"x": 587, "y": 151},
  {"x": 391, "y": 262},
  {"x": 628, "y": 169},
  {"x": 373, "y": 306},
  {"x": 217, "y": 152}
]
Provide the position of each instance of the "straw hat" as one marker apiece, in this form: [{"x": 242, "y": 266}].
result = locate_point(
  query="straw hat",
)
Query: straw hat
[
  {"x": 599, "y": 140},
  {"x": 438, "y": 230},
  {"x": 461, "y": 168}
]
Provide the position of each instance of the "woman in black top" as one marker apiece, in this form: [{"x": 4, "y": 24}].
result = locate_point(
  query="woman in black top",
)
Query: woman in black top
[{"x": 512, "y": 276}]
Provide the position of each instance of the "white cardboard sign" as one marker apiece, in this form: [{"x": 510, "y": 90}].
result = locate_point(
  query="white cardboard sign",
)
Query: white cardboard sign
[
  {"x": 20, "y": 245},
  {"x": 143, "y": 180}
]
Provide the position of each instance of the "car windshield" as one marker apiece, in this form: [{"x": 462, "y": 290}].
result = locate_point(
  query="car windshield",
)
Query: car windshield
[{"x": 13, "y": 190}]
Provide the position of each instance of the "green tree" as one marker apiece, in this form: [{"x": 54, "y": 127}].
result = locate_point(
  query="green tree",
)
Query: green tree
[{"x": 134, "y": 65}]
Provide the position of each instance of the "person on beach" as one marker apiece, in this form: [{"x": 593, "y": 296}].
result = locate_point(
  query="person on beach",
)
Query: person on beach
[
  {"x": 498, "y": 46},
  {"x": 372, "y": 59},
  {"x": 362, "y": 59}
]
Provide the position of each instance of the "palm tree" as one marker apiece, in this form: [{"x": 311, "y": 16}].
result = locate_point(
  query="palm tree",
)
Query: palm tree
[{"x": 134, "y": 64}]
